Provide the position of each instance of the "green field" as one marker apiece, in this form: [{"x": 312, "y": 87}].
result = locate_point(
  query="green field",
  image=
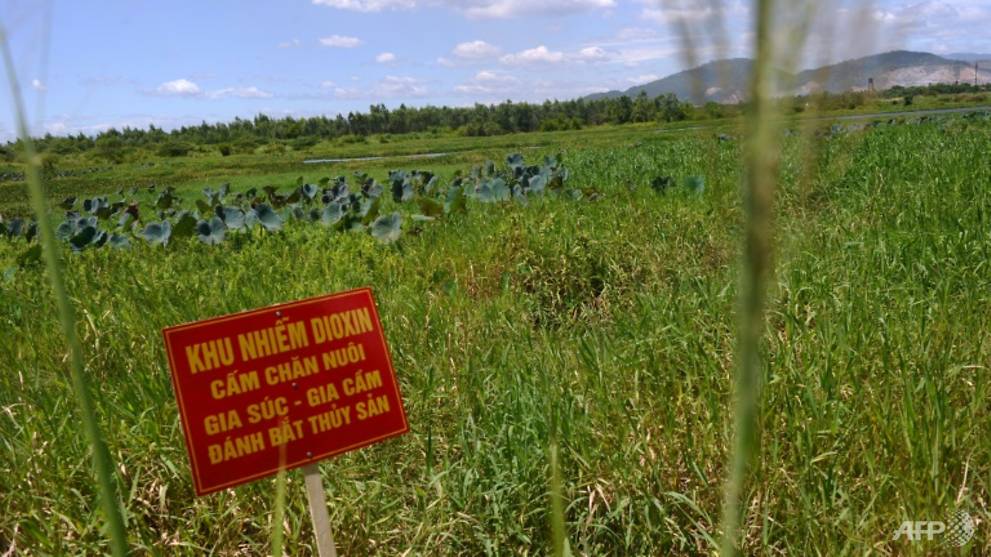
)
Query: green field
[{"x": 606, "y": 325}]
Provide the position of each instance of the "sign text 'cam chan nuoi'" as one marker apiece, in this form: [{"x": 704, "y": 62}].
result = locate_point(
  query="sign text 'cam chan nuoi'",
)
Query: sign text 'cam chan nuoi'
[{"x": 283, "y": 386}]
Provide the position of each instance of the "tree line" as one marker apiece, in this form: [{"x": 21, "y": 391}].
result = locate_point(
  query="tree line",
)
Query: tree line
[
  {"x": 478, "y": 120},
  {"x": 245, "y": 135}
]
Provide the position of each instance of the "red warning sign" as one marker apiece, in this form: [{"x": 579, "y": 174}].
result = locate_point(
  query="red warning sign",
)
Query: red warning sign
[{"x": 283, "y": 386}]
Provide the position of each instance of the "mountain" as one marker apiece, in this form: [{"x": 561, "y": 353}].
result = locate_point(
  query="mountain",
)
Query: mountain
[
  {"x": 727, "y": 80},
  {"x": 899, "y": 67},
  {"x": 721, "y": 81},
  {"x": 970, "y": 57}
]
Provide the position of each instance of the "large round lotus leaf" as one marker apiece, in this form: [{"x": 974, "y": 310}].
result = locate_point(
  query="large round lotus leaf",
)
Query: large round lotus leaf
[
  {"x": 99, "y": 239},
  {"x": 386, "y": 229},
  {"x": 397, "y": 177},
  {"x": 119, "y": 241},
  {"x": 538, "y": 183},
  {"x": 661, "y": 184},
  {"x": 66, "y": 230},
  {"x": 332, "y": 214},
  {"x": 431, "y": 185},
  {"x": 372, "y": 189},
  {"x": 233, "y": 217},
  {"x": 157, "y": 233},
  {"x": 268, "y": 218},
  {"x": 90, "y": 205},
  {"x": 126, "y": 219},
  {"x": 83, "y": 238},
  {"x": 402, "y": 191},
  {"x": 430, "y": 207},
  {"x": 15, "y": 227},
  {"x": 494, "y": 190},
  {"x": 456, "y": 201},
  {"x": 165, "y": 200},
  {"x": 211, "y": 232},
  {"x": 185, "y": 225},
  {"x": 370, "y": 210},
  {"x": 104, "y": 211},
  {"x": 309, "y": 191}
]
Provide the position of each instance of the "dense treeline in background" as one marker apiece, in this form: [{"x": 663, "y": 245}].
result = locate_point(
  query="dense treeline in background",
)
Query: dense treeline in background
[{"x": 243, "y": 136}]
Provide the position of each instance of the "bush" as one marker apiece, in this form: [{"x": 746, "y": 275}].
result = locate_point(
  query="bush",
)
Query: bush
[
  {"x": 273, "y": 148},
  {"x": 908, "y": 99},
  {"x": 111, "y": 148},
  {"x": 225, "y": 150},
  {"x": 246, "y": 145},
  {"x": 303, "y": 143},
  {"x": 173, "y": 149}
]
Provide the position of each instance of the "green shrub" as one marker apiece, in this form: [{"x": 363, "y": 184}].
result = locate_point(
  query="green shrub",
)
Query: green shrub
[
  {"x": 303, "y": 143},
  {"x": 173, "y": 149}
]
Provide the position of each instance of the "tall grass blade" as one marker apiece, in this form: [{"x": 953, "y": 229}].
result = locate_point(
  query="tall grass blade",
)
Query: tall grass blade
[
  {"x": 558, "y": 535},
  {"x": 102, "y": 465},
  {"x": 760, "y": 177}
]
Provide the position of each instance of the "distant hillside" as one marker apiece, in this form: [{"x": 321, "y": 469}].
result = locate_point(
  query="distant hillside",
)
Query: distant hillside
[
  {"x": 888, "y": 70},
  {"x": 720, "y": 81},
  {"x": 726, "y": 80},
  {"x": 969, "y": 57}
]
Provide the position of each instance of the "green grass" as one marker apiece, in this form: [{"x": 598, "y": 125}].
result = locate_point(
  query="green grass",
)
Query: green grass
[{"x": 600, "y": 331}]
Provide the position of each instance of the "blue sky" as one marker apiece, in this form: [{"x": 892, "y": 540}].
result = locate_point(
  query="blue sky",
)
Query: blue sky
[{"x": 87, "y": 66}]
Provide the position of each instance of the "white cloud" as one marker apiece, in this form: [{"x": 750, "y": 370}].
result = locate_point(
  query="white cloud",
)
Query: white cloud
[
  {"x": 641, "y": 79},
  {"x": 632, "y": 34},
  {"x": 487, "y": 82},
  {"x": 502, "y": 9},
  {"x": 591, "y": 54},
  {"x": 390, "y": 87},
  {"x": 251, "y": 92},
  {"x": 674, "y": 15},
  {"x": 393, "y": 86},
  {"x": 180, "y": 88},
  {"x": 327, "y": 84},
  {"x": 476, "y": 9},
  {"x": 539, "y": 55},
  {"x": 385, "y": 58},
  {"x": 56, "y": 127},
  {"x": 475, "y": 50},
  {"x": 367, "y": 5},
  {"x": 294, "y": 43},
  {"x": 186, "y": 88},
  {"x": 340, "y": 41},
  {"x": 37, "y": 85}
]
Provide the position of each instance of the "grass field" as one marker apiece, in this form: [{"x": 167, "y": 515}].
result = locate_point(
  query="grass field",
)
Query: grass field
[{"x": 606, "y": 325}]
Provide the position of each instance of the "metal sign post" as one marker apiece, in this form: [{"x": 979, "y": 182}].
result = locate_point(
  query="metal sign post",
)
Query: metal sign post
[{"x": 318, "y": 511}]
